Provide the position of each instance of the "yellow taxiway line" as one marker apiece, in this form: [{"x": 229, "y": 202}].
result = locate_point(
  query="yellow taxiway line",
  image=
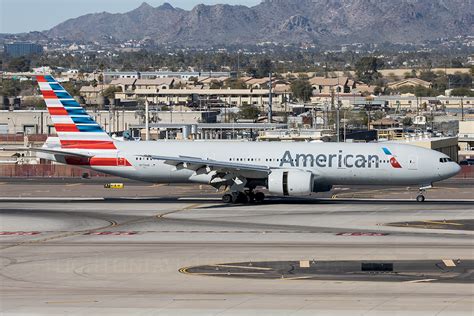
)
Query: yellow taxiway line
[{"x": 443, "y": 223}]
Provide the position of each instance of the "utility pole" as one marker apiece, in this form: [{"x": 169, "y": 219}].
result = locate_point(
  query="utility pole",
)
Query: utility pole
[
  {"x": 147, "y": 127},
  {"x": 345, "y": 134},
  {"x": 337, "y": 123},
  {"x": 270, "y": 99},
  {"x": 337, "y": 112},
  {"x": 238, "y": 64}
]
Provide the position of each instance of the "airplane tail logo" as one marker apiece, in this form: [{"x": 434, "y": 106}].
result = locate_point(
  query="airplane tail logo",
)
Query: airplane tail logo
[
  {"x": 393, "y": 161},
  {"x": 75, "y": 128}
]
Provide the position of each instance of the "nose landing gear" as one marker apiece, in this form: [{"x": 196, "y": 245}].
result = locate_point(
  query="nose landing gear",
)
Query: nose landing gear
[
  {"x": 420, "y": 198},
  {"x": 421, "y": 195}
]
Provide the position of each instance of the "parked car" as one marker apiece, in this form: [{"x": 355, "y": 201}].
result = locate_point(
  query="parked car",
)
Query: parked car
[{"x": 467, "y": 162}]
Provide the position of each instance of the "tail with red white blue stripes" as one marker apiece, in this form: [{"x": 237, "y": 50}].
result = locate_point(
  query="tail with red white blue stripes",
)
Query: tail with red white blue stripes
[{"x": 75, "y": 128}]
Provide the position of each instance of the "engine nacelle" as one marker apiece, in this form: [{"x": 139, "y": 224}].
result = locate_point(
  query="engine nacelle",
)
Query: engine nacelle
[{"x": 290, "y": 182}]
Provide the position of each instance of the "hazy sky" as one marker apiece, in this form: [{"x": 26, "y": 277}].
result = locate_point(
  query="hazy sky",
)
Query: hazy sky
[{"x": 37, "y": 15}]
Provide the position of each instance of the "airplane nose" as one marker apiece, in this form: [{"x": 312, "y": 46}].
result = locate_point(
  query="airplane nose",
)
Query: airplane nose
[
  {"x": 449, "y": 170},
  {"x": 456, "y": 169}
]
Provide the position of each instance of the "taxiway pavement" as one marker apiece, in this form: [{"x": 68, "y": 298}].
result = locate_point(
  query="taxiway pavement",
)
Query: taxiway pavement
[{"x": 69, "y": 253}]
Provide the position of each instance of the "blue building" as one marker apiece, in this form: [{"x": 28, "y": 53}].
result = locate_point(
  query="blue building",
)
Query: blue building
[{"x": 19, "y": 49}]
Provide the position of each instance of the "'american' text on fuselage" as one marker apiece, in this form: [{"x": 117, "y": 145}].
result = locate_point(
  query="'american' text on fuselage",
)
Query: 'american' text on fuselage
[{"x": 339, "y": 160}]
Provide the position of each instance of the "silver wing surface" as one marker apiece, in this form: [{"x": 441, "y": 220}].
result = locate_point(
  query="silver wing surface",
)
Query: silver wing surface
[{"x": 223, "y": 172}]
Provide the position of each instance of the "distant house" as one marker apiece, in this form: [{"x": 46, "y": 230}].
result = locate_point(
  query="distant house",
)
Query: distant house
[
  {"x": 410, "y": 82},
  {"x": 91, "y": 94},
  {"x": 364, "y": 88},
  {"x": 257, "y": 83},
  {"x": 384, "y": 123},
  {"x": 322, "y": 85},
  {"x": 158, "y": 83},
  {"x": 208, "y": 81},
  {"x": 127, "y": 84}
]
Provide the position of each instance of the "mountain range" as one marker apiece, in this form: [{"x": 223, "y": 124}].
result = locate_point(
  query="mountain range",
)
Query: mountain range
[{"x": 282, "y": 21}]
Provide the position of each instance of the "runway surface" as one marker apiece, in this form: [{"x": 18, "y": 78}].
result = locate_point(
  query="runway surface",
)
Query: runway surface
[{"x": 115, "y": 252}]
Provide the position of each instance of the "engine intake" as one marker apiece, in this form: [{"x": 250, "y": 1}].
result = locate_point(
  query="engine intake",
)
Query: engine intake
[{"x": 290, "y": 182}]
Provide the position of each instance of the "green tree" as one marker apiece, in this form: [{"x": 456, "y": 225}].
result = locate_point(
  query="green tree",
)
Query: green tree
[
  {"x": 407, "y": 121},
  {"x": 460, "y": 80},
  {"x": 215, "y": 84},
  {"x": 456, "y": 63},
  {"x": 35, "y": 102},
  {"x": 378, "y": 115},
  {"x": 302, "y": 89},
  {"x": 367, "y": 69},
  {"x": 378, "y": 90},
  {"x": 10, "y": 88},
  {"x": 72, "y": 88},
  {"x": 234, "y": 83},
  {"x": 264, "y": 67},
  {"x": 428, "y": 76},
  {"x": 462, "y": 92},
  {"x": 20, "y": 64},
  {"x": 392, "y": 77},
  {"x": 421, "y": 91},
  {"x": 408, "y": 75},
  {"x": 110, "y": 92},
  {"x": 249, "y": 112}
]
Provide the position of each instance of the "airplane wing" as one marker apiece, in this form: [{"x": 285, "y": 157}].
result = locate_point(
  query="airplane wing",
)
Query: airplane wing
[
  {"x": 47, "y": 151},
  {"x": 205, "y": 166}
]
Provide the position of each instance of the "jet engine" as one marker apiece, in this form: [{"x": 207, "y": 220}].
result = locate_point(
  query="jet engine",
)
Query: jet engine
[{"x": 290, "y": 182}]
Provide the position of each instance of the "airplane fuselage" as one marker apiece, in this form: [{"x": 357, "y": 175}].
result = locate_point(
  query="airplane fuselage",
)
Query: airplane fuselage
[{"x": 330, "y": 163}]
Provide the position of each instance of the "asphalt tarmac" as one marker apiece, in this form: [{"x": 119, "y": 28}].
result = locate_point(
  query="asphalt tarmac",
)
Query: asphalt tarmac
[{"x": 73, "y": 247}]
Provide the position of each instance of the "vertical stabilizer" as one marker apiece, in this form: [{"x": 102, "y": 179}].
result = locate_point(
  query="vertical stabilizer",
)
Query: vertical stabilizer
[{"x": 75, "y": 128}]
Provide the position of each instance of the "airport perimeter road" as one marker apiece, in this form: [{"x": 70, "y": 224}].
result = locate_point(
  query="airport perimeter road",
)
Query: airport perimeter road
[{"x": 122, "y": 256}]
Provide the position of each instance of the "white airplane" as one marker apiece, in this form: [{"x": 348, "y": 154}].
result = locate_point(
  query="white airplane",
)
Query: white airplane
[{"x": 285, "y": 169}]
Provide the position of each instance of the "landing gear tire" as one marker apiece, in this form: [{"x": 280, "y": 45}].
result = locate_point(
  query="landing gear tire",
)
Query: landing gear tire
[
  {"x": 228, "y": 198},
  {"x": 420, "y": 198},
  {"x": 259, "y": 197},
  {"x": 242, "y": 198}
]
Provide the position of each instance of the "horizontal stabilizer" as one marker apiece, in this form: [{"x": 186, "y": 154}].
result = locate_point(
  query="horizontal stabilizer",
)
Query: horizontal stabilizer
[{"x": 46, "y": 151}]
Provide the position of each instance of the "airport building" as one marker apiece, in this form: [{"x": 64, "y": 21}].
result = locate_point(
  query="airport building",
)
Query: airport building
[
  {"x": 466, "y": 139},
  {"x": 182, "y": 75},
  {"x": 222, "y": 97},
  {"x": 401, "y": 102},
  {"x": 19, "y": 49},
  {"x": 31, "y": 122}
]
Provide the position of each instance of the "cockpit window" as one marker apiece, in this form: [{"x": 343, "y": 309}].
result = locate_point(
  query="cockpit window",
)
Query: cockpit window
[{"x": 443, "y": 160}]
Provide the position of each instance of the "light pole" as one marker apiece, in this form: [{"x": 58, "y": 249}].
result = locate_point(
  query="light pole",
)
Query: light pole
[
  {"x": 337, "y": 111},
  {"x": 270, "y": 99},
  {"x": 147, "y": 120}
]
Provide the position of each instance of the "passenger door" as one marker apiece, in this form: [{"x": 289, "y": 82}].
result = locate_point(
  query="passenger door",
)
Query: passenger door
[{"x": 413, "y": 163}]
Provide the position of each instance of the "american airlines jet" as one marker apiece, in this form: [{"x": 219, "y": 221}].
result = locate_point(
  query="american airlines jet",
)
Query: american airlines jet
[{"x": 285, "y": 169}]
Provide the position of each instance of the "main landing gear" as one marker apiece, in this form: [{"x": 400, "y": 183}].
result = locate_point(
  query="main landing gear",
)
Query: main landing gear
[{"x": 248, "y": 196}]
